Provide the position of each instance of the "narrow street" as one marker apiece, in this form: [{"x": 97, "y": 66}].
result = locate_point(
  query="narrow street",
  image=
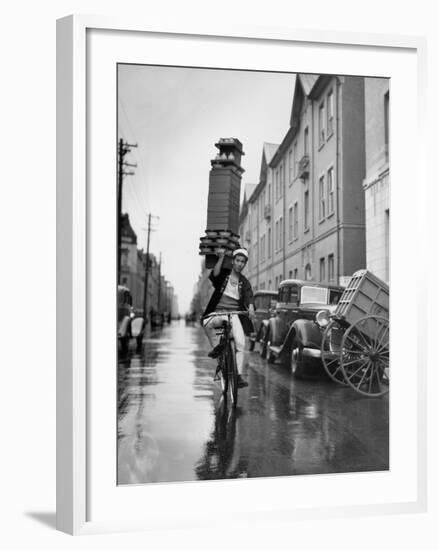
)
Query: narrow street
[{"x": 174, "y": 426}]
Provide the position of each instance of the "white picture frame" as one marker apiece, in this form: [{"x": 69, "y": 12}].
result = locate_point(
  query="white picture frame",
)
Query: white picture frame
[{"x": 77, "y": 412}]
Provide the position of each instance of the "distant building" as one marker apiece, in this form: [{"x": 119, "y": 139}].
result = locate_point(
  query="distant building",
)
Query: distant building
[
  {"x": 128, "y": 256},
  {"x": 160, "y": 296},
  {"x": 377, "y": 180}
]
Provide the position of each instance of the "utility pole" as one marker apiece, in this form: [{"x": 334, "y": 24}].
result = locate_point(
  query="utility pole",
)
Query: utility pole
[
  {"x": 146, "y": 272},
  {"x": 124, "y": 149},
  {"x": 159, "y": 283}
]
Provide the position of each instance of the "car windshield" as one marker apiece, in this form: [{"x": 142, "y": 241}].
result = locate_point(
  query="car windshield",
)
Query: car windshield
[
  {"x": 313, "y": 295},
  {"x": 263, "y": 302},
  {"x": 289, "y": 294}
]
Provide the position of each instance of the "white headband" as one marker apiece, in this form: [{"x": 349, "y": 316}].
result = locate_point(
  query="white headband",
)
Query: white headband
[{"x": 241, "y": 251}]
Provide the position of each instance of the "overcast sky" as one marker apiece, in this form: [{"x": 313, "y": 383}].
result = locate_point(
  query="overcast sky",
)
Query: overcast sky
[{"x": 175, "y": 115}]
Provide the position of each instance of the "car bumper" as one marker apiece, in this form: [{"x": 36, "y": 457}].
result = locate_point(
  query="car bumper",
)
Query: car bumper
[{"x": 311, "y": 353}]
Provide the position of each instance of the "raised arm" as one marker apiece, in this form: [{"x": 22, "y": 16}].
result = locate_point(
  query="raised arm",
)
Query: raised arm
[{"x": 221, "y": 255}]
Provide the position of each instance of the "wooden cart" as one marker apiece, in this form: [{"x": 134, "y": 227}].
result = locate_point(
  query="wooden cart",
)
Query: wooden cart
[{"x": 355, "y": 344}]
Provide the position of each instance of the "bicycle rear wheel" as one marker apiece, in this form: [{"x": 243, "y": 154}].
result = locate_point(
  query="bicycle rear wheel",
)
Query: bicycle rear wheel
[{"x": 232, "y": 372}]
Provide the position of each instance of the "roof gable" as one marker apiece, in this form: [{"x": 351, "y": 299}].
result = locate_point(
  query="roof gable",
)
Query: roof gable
[
  {"x": 304, "y": 84},
  {"x": 269, "y": 150}
]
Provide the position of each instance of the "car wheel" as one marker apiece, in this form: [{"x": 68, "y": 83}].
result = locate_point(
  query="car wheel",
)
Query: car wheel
[
  {"x": 270, "y": 356},
  {"x": 139, "y": 340},
  {"x": 263, "y": 344},
  {"x": 296, "y": 359},
  {"x": 124, "y": 344}
]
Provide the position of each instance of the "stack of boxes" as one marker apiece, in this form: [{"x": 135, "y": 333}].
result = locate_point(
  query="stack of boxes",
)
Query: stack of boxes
[{"x": 223, "y": 203}]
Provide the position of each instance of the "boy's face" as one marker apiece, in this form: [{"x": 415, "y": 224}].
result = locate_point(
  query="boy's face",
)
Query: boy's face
[{"x": 239, "y": 262}]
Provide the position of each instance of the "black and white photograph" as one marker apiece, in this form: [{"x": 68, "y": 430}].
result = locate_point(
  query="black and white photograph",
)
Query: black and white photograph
[{"x": 253, "y": 256}]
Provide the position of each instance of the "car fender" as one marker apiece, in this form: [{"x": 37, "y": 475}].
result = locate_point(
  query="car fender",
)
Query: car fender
[
  {"x": 137, "y": 326},
  {"x": 125, "y": 326},
  {"x": 307, "y": 333},
  {"x": 274, "y": 330}
]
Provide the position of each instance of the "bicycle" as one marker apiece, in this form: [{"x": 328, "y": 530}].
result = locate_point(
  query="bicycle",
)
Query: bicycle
[{"x": 227, "y": 367}]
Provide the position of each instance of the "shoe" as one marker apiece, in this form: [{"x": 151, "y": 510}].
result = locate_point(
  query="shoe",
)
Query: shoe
[
  {"x": 216, "y": 351},
  {"x": 241, "y": 383}
]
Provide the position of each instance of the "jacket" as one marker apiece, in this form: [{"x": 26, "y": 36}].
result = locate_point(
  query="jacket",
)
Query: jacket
[{"x": 245, "y": 296}]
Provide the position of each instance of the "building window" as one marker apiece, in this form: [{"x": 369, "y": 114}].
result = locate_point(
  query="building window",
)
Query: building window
[
  {"x": 290, "y": 274},
  {"x": 269, "y": 284},
  {"x": 330, "y": 113},
  {"x": 296, "y": 221},
  {"x": 276, "y": 184},
  {"x": 269, "y": 242},
  {"x": 322, "y": 269},
  {"x": 263, "y": 248},
  {"x": 295, "y": 273},
  {"x": 281, "y": 181},
  {"x": 386, "y": 115},
  {"x": 308, "y": 272},
  {"x": 321, "y": 198},
  {"x": 306, "y": 210},
  {"x": 269, "y": 194},
  {"x": 321, "y": 128},
  {"x": 277, "y": 235},
  {"x": 306, "y": 141},
  {"x": 281, "y": 233},
  {"x": 295, "y": 160},
  {"x": 291, "y": 167},
  {"x": 291, "y": 224},
  {"x": 331, "y": 267},
  {"x": 330, "y": 192}
]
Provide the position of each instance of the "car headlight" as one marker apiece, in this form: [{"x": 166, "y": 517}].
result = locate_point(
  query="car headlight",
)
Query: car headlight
[{"x": 322, "y": 318}]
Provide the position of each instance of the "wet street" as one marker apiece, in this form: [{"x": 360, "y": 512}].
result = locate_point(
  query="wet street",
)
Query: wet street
[{"x": 173, "y": 424}]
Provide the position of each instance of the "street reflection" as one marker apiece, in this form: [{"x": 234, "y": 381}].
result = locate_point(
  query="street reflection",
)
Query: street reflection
[{"x": 174, "y": 425}]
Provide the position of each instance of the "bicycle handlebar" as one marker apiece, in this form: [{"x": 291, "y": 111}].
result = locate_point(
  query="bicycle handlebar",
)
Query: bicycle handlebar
[{"x": 222, "y": 313}]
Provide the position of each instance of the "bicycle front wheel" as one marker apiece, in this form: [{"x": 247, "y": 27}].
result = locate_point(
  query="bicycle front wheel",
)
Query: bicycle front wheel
[
  {"x": 232, "y": 372},
  {"x": 223, "y": 373}
]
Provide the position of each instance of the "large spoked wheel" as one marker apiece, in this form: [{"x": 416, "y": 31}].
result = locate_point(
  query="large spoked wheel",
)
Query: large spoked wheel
[
  {"x": 232, "y": 372},
  {"x": 296, "y": 359},
  {"x": 331, "y": 350},
  {"x": 365, "y": 357}
]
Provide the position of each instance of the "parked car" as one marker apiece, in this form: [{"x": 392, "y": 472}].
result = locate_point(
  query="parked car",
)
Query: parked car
[
  {"x": 264, "y": 304},
  {"x": 157, "y": 319},
  {"x": 292, "y": 334},
  {"x": 128, "y": 324}
]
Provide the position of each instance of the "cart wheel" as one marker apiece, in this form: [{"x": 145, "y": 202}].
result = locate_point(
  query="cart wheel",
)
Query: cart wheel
[
  {"x": 365, "y": 356},
  {"x": 331, "y": 350}
]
